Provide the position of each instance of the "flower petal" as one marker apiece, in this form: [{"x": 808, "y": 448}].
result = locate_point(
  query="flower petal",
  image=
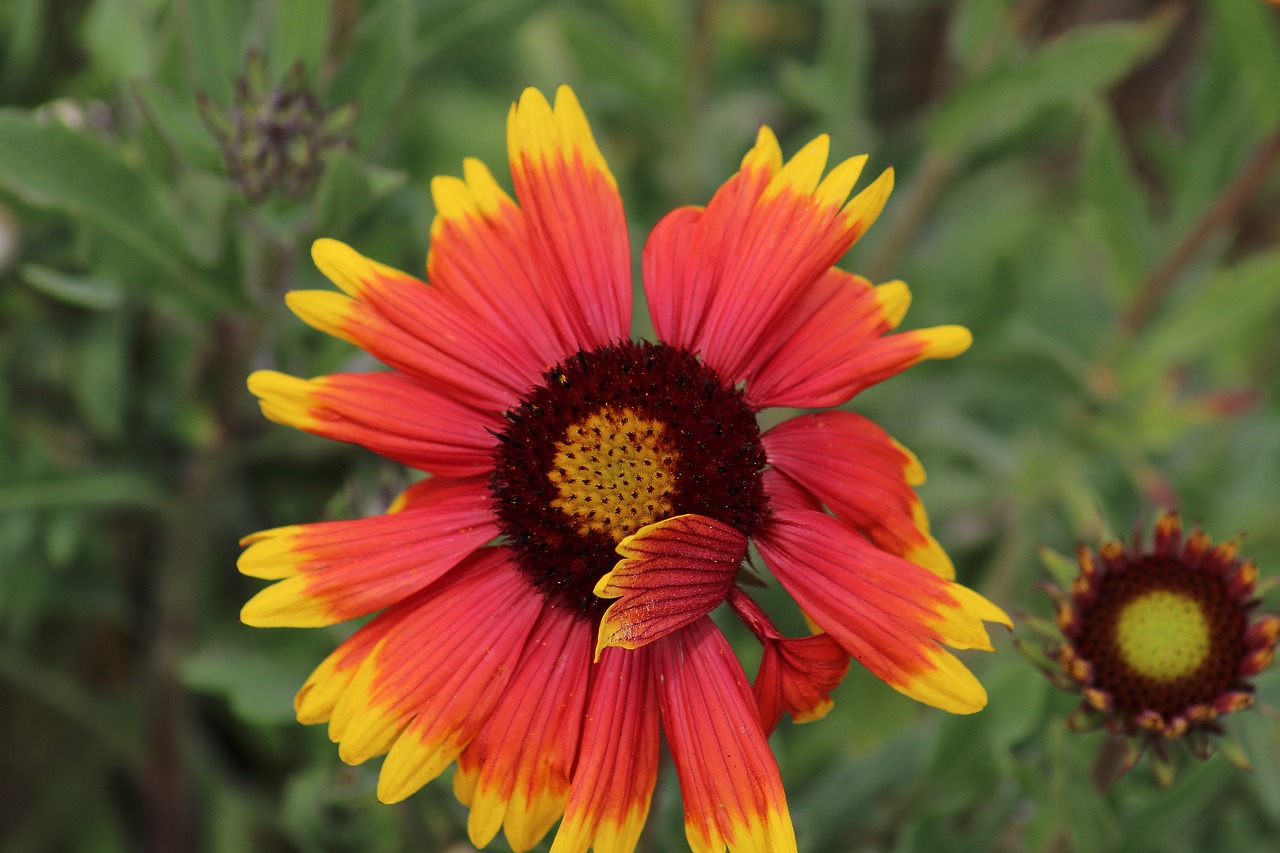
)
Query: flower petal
[
  {"x": 418, "y": 329},
  {"x": 575, "y": 217},
  {"x": 797, "y": 676},
  {"x": 864, "y": 476},
  {"x": 388, "y": 413},
  {"x": 515, "y": 774},
  {"x": 617, "y": 758},
  {"x": 891, "y": 615},
  {"x": 482, "y": 254},
  {"x": 828, "y": 345},
  {"x": 435, "y": 674},
  {"x": 718, "y": 279},
  {"x": 852, "y": 371},
  {"x": 679, "y": 291},
  {"x": 673, "y": 572},
  {"x": 728, "y": 777},
  {"x": 338, "y": 570}
]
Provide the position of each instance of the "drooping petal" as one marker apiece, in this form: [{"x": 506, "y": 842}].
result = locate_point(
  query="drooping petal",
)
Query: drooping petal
[
  {"x": 415, "y": 328},
  {"x": 864, "y": 476},
  {"x": 338, "y": 570},
  {"x": 729, "y": 780},
  {"x": 673, "y": 572},
  {"x": 435, "y": 674},
  {"x": 891, "y": 615},
  {"x": 617, "y": 757},
  {"x": 574, "y": 213},
  {"x": 796, "y": 676},
  {"x": 515, "y": 774},
  {"x": 718, "y": 279},
  {"x": 388, "y": 413}
]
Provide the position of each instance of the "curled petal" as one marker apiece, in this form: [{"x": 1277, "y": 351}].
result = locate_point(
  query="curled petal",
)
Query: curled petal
[
  {"x": 797, "y": 676},
  {"x": 672, "y": 573}
]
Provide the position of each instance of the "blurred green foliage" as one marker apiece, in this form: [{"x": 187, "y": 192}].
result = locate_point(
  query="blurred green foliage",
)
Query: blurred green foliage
[{"x": 1085, "y": 184}]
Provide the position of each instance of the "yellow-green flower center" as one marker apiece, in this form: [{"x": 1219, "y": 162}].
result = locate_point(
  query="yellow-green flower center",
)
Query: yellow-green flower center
[{"x": 1163, "y": 635}]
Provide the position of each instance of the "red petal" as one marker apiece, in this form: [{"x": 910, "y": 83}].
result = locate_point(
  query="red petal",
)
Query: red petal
[
  {"x": 482, "y": 253},
  {"x": 418, "y": 329},
  {"x": 797, "y": 676},
  {"x": 769, "y": 233},
  {"x": 674, "y": 572},
  {"x": 516, "y": 772},
  {"x": 728, "y": 777},
  {"x": 864, "y": 476},
  {"x": 338, "y": 570},
  {"x": 828, "y": 346},
  {"x": 891, "y": 615},
  {"x": 617, "y": 759},
  {"x": 389, "y": 413},
  {"x": 435, "y": 675},
  {"x": 574, "y": 214}
]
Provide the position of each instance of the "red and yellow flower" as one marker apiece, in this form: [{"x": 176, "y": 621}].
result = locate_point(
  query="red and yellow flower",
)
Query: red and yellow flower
[{"x": 542, "y": 599}]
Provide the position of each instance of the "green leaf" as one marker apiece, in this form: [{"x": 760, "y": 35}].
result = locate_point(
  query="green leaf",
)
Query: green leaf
[
  {"x": 1250, "y": 31},
  {"x": 98, "y": 382},
  {"x": 1115, "y": 202},
  {"x": 348, "y": 189},
  {"x": 83, "y": 291},
  {"x": 1070, "y": 70},
  {"x": 95, "y": 489},
  {"x": 1233, "y": 305},
  {"x": 377, "y": 68},
  {"x": 52, "y": 166},
  {"x": 179, "y": 125},
  {"x": 259, "y": 687},
  {"x": 980, "y": 29},
  {"x": 213, "y": 43},
  {"x": 118, "y": 37},
  {"x": 301, "y": 34}
]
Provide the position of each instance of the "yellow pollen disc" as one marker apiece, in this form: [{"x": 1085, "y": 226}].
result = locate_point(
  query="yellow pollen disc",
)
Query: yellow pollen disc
[
  {"x": 615, "y": 472},
  {"x": 1163, "y": 635}
]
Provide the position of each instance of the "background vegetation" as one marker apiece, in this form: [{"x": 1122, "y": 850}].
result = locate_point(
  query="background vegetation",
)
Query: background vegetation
[{"x": 1089, "y": 185}]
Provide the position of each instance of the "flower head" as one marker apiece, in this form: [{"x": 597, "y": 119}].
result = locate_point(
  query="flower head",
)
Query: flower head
[
  {"x": 544, "y": 595},
  {"x": 275, "y": 139},
  {"x": 1162, "y": 643}
]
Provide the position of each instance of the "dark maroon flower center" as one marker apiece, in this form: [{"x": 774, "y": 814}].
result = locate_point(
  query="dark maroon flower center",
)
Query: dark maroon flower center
[{"x": 615, "y": 439}]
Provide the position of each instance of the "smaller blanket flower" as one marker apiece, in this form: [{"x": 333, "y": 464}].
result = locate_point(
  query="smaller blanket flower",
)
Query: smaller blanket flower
[{"x": 1161, "y": 643}]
